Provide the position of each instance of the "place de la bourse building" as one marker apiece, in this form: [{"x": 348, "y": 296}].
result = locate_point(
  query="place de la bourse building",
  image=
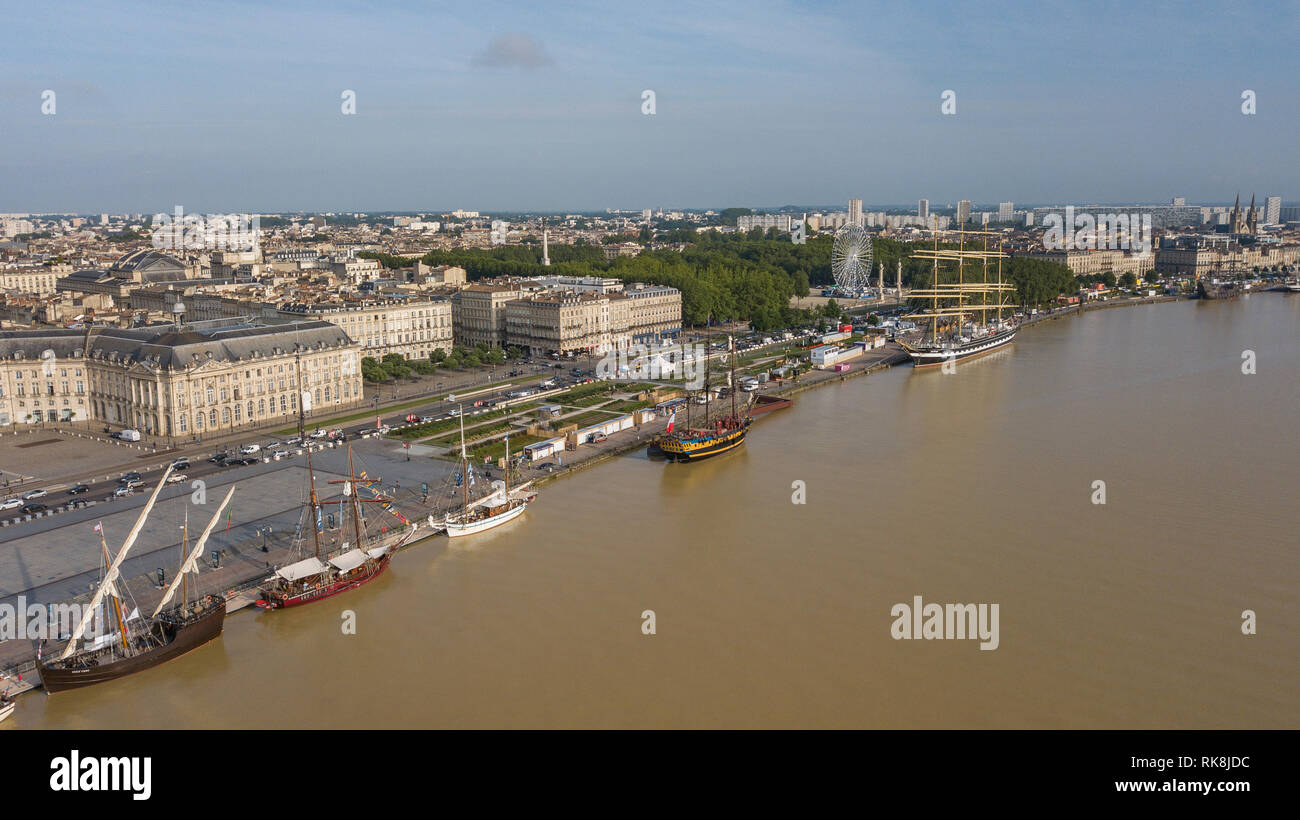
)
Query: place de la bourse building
[{"x": 177, "y": 380}]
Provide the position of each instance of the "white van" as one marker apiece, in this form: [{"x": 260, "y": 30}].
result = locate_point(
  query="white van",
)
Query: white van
[
  {"x": 129, "y": 435},
  {"x": 250, "y": 449}
]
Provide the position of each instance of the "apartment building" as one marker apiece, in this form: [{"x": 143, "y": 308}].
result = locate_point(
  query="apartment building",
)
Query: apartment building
[
  {"x": 1101, "y": 261},
  {"x": 412, "y": 327},
  {"x": 479, "y": 312},
  {"x": 577, "y": 322},
  {"x": 655, "y": 312},
  {"x": 37, "y": 280}
]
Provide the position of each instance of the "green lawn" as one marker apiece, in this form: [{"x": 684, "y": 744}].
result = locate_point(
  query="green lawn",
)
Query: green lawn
[
  {"x": 496, "y": 449},
  {"x": 471, "y": 435}
]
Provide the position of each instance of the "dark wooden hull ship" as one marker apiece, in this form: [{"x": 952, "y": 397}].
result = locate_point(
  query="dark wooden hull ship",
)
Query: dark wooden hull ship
[
  {"x": 170, "y": 635},
  {"x": 1218, "y": 290}
]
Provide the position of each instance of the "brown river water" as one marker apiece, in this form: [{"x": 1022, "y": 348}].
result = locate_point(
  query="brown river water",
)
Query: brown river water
[{"x": 974, "y": 487}]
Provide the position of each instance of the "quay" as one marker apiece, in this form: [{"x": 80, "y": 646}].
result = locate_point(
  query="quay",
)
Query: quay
[{"x": 265, "y": 540}]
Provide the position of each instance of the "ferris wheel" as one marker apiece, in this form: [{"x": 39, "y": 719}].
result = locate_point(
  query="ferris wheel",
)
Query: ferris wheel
[{"x": 851, "y": 257}]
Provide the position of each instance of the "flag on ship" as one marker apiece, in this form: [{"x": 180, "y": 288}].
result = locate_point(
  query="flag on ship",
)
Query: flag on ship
[{"x": 672, "y": 421}]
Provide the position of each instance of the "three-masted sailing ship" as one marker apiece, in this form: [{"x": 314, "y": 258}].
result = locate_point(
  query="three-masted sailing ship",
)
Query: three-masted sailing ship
[
  {"x": 496, "y": 508},
  {"x": 959, "y": 327},
  {"x": 167, "y": 634},
  {"x": 327, "y": 573},
  {"x": 714, "y": 435}
]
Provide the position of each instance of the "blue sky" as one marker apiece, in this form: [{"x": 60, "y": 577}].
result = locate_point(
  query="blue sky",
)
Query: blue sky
[{"x": 489, "y": 105}]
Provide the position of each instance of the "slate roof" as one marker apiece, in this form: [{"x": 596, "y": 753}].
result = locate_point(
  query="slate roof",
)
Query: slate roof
[{"x": 165, "y": 347}]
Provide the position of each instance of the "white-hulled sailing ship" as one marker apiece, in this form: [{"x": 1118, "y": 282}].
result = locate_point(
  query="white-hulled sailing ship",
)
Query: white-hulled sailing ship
[
  {"x": 167, "y": 634},
  {"x": 959, "y": 326},
  {"x": 498, "y": 507}
]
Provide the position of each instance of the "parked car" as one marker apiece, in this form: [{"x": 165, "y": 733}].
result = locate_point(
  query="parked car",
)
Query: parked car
[
  {"x": 176, "y": 478},
  {"x": 292, "y": 441},
  {"x": 249, "y": 449},
  {"x": 78, "y": 489},
  {"x": 11, "y": 503},
  {"x": 182, "y": 463},
  {"x": 34, "y": 494},
  {"x": 122, "y": 492},
  {"x": 128, "y": 435},
  {"x": 279, "y": 453},
  {"x": 133, "y": 483},
  {"x": 427, "y": 419},
  {"x": 271, "y": 445},
  {"x": 29, "y": 509},
  {"x": 455, "y": 411},
  {"x": 129, "y": 477},
  {"x": 219, "y": 458},
  {"x": 599, "y": 438}
]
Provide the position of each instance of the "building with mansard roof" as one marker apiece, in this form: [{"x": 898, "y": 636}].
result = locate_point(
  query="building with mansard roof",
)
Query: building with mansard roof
[{"x": 178, "y": 380}]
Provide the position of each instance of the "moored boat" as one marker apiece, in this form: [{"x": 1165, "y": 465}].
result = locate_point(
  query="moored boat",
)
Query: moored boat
[
  {"x": 162, "y": 637},
  {"x": 713, "y": 436},
  {"x": 960, "y": 328},
  {"x": 498, "y": 507}
]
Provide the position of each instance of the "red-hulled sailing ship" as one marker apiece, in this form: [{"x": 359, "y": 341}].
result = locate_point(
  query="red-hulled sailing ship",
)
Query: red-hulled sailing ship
[{"x": 324, "y": 575}]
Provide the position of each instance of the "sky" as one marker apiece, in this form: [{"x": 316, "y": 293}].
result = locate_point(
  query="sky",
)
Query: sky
[{"x": 224, "y": 107}]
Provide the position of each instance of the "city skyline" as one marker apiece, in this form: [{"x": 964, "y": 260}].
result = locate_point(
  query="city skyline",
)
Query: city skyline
[{"x": 506, "y": 107}]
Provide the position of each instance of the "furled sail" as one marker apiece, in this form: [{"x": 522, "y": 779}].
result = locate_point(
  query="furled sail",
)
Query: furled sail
[
  {"x": 111, "y": 575},
  {"x": 191, "y": 562}
]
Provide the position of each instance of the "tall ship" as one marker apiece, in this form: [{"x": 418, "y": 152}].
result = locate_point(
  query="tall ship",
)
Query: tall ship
[
  {"x": 1215, "y": 289},
  {"x": 134, "y": 644},
  {"x": 346, "y": 564},
  {"x": 1230, "y": 286},
  {"x": 710, "y": 436},
  {"x": 499, "y": 506},
  {"x": 956, "y": 325}
]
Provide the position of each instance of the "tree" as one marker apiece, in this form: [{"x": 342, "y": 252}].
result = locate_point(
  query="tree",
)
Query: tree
[{"x": 1128, "y": 280}]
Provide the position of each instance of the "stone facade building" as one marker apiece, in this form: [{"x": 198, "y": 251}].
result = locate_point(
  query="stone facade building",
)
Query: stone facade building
[{"x": 164, "y": 380}]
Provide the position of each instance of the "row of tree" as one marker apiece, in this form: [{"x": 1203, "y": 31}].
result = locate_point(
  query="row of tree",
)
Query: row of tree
[{"x": 738, "y": 276}]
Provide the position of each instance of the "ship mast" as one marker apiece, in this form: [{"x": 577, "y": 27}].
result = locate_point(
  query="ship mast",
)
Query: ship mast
[
  {"x": 189, "y": 564},
  {"x": 731, "y": 374},
  {"x": 302, "y": 437},
  {"x": 356, "y": 507},
  {"x": 708, "y": 334},
  {"x": 934, "y": 283},
  {"x": 185, "y": 542},
  {"x": 112, "y": 573},
  {"x": 464, "y": 464},
  {"x": 117, "y": 605}
]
